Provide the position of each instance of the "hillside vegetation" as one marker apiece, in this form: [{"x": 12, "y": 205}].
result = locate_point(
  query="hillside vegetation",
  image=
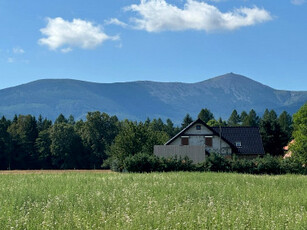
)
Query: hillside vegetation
[{"x": 139, "y": 100}]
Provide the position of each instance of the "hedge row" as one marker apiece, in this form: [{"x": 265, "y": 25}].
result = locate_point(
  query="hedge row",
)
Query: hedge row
[{"x": 216, "y": 163}]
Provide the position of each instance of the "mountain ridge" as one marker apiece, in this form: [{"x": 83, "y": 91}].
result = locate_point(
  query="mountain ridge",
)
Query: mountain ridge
[{"x": 138, "y": 100}]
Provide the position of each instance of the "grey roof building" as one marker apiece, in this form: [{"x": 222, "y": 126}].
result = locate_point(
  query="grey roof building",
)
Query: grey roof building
[{"x": 198, "y": 140}]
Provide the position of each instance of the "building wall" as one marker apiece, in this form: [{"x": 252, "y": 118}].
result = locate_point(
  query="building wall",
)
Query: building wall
[
  {"x": 195, "y": 153},
  {"x": 217, "y": 143}
]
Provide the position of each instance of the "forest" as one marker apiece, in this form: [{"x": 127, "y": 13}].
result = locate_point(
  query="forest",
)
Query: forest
[{"x": 102, "y": 140}]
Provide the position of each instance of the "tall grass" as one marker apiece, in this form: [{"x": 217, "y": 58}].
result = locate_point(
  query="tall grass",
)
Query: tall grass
[{"x": 152, "y": 201}]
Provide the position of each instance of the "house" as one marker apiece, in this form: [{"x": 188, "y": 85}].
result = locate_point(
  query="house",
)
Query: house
[
  {"x": 287, "y": 150},
  {"x": 198, "y": 140}
]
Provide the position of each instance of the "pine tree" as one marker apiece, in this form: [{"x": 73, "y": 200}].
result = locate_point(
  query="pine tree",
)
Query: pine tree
[
  {"x": 186, "y": 121},
  {"x": 61, "y": 119},
  {"x": 252, "y": 119},
  {"x": 272, "y": 135},
  {"x": 205, "y": 115},
  {"x": 234, "y": 118},
  {"x": 243, "y": 117},
  {"x": 285, "y": 122}
]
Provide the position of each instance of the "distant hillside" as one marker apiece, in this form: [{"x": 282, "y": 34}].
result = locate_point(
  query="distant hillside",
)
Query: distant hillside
[{"x": 142, "y": 99}]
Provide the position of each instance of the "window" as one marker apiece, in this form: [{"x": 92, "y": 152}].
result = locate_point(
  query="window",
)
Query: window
[
  {"x": 238, "y": 144},
  {"x": 198, "y": 127},
  {"x": 208, "y": 141},
  {"x": 184, "y": 140}
]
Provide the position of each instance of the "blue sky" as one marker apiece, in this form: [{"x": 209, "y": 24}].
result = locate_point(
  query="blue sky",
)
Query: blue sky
[{"x": 157, "y": 40}]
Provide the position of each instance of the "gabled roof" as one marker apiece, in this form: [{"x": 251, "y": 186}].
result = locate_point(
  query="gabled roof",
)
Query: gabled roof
[
  {"x": 250, "y": 138},
  {"x": 198, "y": 121}
]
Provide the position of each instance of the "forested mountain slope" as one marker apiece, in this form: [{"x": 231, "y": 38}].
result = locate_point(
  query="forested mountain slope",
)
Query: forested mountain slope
[{"x": 142, "y": 99}]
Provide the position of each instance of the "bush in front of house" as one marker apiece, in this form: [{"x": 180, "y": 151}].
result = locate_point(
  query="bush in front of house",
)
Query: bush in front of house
[
  {"x": 216, "y": 163},
  {"x": 268, "y": 164},
  {"x": 143, "y": 162},
  {"x": 242, "y": 165},
  {"x": 176, "y": 164},
  {"x": 292, "y": 165}
]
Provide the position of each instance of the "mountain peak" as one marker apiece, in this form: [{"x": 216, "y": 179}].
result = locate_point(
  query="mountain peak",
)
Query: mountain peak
[{"x": 139, "y": 100}]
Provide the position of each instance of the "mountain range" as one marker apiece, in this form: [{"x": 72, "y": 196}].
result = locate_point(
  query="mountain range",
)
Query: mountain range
[{"x": 141, "y": 99}]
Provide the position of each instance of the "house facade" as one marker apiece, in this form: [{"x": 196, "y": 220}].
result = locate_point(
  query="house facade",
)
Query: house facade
[{"x": 198, "y": 140}]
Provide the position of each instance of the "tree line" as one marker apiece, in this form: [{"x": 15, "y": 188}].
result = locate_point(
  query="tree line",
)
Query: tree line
[{"x": 103, "y": 141}]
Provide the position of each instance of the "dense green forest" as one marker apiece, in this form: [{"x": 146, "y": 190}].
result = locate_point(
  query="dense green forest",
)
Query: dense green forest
[{"x": 102, "y": 141}]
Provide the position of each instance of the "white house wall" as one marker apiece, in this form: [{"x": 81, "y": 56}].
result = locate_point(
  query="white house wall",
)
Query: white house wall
[
  {"x": 203, "y": 131},
  {"x": 195, "y": 140}
]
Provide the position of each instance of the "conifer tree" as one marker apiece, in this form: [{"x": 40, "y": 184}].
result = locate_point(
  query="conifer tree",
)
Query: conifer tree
[
  {"x": 234, "y": 118},
  {"x": 205, "y": 115}
]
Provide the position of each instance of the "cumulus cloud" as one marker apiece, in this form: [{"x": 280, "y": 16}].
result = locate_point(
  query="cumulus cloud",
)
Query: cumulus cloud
[
  {"x": 158, "y": 15},
  {"x": 77, "y": 33},
  {"x": 297, "y": 2}
]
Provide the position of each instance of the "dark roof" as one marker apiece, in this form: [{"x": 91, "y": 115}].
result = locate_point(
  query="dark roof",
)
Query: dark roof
[
  {"x": 199, "y": 121},
  {"x": 249, "y": 137}
]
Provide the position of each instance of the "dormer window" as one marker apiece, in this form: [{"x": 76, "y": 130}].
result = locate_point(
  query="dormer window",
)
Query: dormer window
[
  {"x": 198, "y": 127},
  {"x": 238, "y": 144}
]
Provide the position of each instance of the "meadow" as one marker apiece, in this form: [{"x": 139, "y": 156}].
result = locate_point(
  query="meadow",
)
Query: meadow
[{"x": 93, "y": 200}]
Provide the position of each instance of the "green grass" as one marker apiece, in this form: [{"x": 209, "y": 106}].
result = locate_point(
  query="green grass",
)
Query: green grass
[{"x": 152, "y": 201}]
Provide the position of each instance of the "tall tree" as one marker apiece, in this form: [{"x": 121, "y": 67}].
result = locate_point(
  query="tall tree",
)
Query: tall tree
[
  {"x": 66, "y": 147},
  {"x": 205, "y": 115},
  {"x": 43, "y": 123},
  {"x": 98, "y": 133},
  {"x": 243, "y": 117},
  {"x": 71, "y": 120},
  {"x": 157, "y": 124},
  {"x": 272, "y": 135},
  {"x": 186, "y": 121},
  {"x": 42, "y": 145},
  {"x": 169, "y": 128},
  {"x": 234, "y": 118},
  {"x": 23, "y": 132},
  {"x": 251, "y": 120},
  {"x": 4, "y": 144},
  {"x": 61, "y": 119},
  {"x": 285, "y": 122},
  {"x": 299, "y": 147},
  {"x": 217, "y": 123},
  {"x": 134, "y": 138}
]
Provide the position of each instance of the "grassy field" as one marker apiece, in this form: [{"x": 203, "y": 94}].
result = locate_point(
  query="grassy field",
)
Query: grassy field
[{"x": 85, "y": 200}]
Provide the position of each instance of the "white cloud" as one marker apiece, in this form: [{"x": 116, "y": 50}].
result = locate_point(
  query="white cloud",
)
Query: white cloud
[
  {"x": 297, "y": 2},
  {"x": 18, "y": 51},
  {"x": 158, "y": 15},
  {"x": 115, "y": 21},
  {"x": 78, "y": 33},
  {"x": 10, "y": 60},
  {"x": 66, "y": 50}
]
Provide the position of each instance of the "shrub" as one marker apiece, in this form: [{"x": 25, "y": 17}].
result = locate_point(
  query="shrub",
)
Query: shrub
[
  {"x": 216, "y": 163},
  {"x": 292, "y": 165},
  {"x": 242, "y": 165},
  {"x": 141, "y": 162},
  {"x": 267, "y": 165},
  {"x": 176, "y": 164}
]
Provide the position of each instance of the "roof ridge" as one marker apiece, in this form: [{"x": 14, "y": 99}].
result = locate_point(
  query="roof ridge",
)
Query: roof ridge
[{"x": 234, "y": 127}]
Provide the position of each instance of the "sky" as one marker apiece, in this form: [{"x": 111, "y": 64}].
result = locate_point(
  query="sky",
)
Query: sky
[{"x": 156, "y": 40}]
